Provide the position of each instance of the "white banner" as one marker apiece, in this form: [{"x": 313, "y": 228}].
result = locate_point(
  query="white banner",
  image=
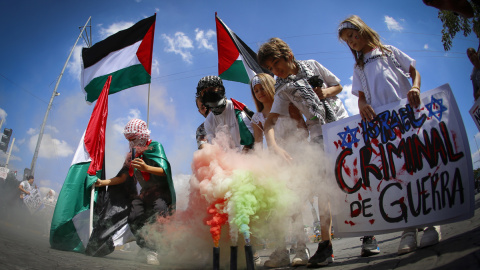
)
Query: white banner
[
  {"x": 33, "y": 201},
  {"x": 4, "y": 172},
  {"x": 406, "y": 168}
]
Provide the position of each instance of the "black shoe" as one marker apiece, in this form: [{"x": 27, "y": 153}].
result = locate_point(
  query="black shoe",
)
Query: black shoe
[
  {"x": 323, "y": 256},
  {"x": 369, "y": 246}
]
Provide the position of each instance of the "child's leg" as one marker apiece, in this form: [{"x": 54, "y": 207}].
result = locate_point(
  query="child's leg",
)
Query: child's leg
[
  {"x": 325, "y": 220},
  {"x": 324, "y": 254}
]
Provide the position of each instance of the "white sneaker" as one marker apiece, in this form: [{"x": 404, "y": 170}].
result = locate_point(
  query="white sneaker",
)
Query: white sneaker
[
  {"x": 431, "y": 236},
  {"x": 152, "y": 258},
  {"x": 408, "y": 243}
]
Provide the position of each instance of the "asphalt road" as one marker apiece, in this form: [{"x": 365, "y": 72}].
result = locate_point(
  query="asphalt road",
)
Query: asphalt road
[{"x": 24, "y": 245}]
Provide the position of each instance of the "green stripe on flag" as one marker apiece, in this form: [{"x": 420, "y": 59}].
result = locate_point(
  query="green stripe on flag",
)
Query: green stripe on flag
[
  {"x": 236, "y": 73},
  {"x": 73, "y": 199},
  {"x": 246, "y": 137},
  {"x": 121, "y": 79}
]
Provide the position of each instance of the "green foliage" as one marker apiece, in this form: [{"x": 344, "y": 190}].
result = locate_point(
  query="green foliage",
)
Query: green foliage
[{"x": 453, "y": 23}]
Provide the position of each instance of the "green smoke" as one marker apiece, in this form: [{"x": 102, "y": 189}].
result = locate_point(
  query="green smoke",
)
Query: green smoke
[{"x": 255, "y": 198}]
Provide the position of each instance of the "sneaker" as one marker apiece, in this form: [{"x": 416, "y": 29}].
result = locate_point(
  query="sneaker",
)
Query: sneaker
[
  {"x": 278, "y": 258},
  {"x": 323, "y": 255},
  {"x": 431, "y": 236},
  {"x": 408, "y": 243},
  {"x": 256, "y": 259},
  {"x": 152, "y": 258},
  {"x": 369, "y": 246},
  {"x": 302, "y": 254}
]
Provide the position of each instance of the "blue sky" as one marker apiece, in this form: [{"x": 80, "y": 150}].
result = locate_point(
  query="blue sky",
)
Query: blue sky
[{"x": 37, "y": 37}]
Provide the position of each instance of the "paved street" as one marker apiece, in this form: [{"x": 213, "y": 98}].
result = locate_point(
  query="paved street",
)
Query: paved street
[{"x": 28, "y": 248}]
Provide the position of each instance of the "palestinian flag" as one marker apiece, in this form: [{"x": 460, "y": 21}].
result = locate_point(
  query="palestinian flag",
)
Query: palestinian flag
[
  {"x": 70, "y": 223},
  {"x": 236, "y": 61},
  {"x": 242, "y": 113},
  {"x": 126, "y": 56}
]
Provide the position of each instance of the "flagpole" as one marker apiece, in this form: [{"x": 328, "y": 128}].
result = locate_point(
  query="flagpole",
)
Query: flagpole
[
  {"x": 148, "y": 104},
  {"x": 54, "y": 94}
]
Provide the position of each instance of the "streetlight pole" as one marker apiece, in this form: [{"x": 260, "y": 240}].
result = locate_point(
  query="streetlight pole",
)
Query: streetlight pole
[{"x": 54, "y": 94}]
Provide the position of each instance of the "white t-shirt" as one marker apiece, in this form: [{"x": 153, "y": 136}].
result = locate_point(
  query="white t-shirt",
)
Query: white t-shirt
[
  {"x": 305, "y": 99},
  {"x": 283, "y": 127},
  {"x": 226, "y": 121},
  {"x": 386, "y": 83},
  {"x": 26, "y": 186}
]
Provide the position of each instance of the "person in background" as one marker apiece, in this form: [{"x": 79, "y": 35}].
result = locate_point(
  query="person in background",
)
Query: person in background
[
  {"x": 381, "y": 76},
  {"x": 26, "y": 187}
]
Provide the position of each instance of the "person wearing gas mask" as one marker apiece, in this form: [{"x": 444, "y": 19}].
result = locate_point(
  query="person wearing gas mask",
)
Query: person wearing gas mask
[{"x": 229, "y": 116}]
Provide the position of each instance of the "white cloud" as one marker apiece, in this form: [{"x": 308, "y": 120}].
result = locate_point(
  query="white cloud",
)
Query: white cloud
[
  {"x": 349, "y": 100},
  {"x": 3, "y": 114},
  {"x": 203, "y": 39},
  {"x": 74, "y": 65},
  {"x": 392, "y": 24},
  {"x": 50, "y": 147},
  {"x": 179, "y": 44},
  {"x": 114, "y": 28},
  {"x": 51, "y": 128},
  {"x": 155, "y": 68},
  {"x": 425, "y": 46}
]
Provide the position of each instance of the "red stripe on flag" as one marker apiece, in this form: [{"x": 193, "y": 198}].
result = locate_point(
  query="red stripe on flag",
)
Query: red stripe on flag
[
  {"x": 145, "y": 50},
  {"x": 227, "y": 51},
  {"x": 237, "y": 105},
  {"x": 95, "y": 133}
]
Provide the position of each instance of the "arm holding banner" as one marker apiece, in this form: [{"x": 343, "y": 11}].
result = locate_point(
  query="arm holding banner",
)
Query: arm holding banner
[{"x": 414, "y": 94}]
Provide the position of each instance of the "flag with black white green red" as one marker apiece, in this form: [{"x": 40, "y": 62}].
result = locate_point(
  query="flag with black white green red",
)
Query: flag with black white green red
[
  {"x": 236, "y": 61},
  {"x": 125, "y": 55},
  {"x": 71, "y": 220},
  {"x": 242, "y": 112}
]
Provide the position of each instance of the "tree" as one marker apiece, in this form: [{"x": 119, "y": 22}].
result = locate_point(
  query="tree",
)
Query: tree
[{"x": 454, "y": 23}]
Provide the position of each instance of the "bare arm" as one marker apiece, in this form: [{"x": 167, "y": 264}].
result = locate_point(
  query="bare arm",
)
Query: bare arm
[
  {"x": 413, "y": 95},
  {"x": 139, "y": 164},
  {"x": 23, "y": 190},
  {"x": 270, "y": 137},
  {"x": 366, "y": 111},
  {"x": 258, "y": 135},
  {"x": 331, "y": 91},
  {"x": 110, "y": 182}
]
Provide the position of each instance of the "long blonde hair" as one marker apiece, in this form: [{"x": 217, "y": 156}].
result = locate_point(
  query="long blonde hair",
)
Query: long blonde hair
[
  {"x": 268, "y": 84},
  {"x": 367, "y": 33}
]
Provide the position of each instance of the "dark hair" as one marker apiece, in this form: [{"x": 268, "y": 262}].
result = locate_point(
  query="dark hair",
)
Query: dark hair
[{"x": 30, "y": 177}]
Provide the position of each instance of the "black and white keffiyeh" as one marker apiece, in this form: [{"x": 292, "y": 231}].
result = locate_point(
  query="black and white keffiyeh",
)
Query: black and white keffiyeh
[{"x": 320, "y": 108}]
